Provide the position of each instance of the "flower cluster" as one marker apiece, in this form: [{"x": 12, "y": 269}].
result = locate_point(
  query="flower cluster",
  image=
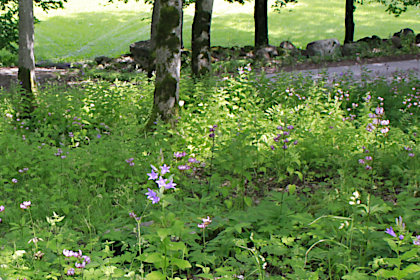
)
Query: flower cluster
[
  {"x": 191, "y": 161},
  {"x": 284, "y": 137},
  {"x": 417, "y": 240},
  {"x": 205, "y": 223},
  {"x": 163, "y": 184},
  {"x": 25, "y": 205},
  {"x": 410, "y": 151},
  {"x": 130, "y": 161},
  {"x": 366, "y": 160},
  {"x": 291, "y": 92},
  {"x": 212, "y": 130},
  {"x": 354, "y": 199},
  {"x": 134, "y": 216},
  {"x": 412, "y": 100},
  {"x": 59, "y": 153},
  {"x": 81, "y": 260},
  {"x": 23, "y": 170},
  {"x": 378, "y": 121},
  {"x": 400, "y": 225},
  {"x": 1, "y": 210}
]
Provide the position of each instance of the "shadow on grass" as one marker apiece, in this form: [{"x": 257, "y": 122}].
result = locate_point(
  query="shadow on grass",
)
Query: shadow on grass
[{"x": 86, "y": 35}]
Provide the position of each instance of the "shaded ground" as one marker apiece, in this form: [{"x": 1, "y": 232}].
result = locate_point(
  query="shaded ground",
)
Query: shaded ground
[{"x": 8, "y": 75}]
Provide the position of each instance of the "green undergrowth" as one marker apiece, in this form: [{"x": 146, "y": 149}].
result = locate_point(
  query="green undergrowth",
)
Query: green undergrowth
[{"x": 274, "y": 180}]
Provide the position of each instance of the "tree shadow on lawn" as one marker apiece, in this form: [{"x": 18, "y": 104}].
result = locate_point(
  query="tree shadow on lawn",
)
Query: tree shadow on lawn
[{"x": 87, "y": 35}]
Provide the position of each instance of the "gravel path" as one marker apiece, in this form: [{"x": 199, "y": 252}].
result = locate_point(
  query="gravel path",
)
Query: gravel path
[{"x": 359, "y": 71}]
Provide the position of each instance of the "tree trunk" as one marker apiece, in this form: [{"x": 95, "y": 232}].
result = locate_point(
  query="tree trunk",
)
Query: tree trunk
[
  {"x": 349, "y": 21},
  {"x": 261, "y": 23},
  {"x": 155, "y": 20},
  {"x": 201, "y": 58},
  {"x": 26, "y": 74},
  {"x": 168, "y": 62}
]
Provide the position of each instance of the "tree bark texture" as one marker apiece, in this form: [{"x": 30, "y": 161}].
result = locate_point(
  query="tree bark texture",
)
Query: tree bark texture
[
  {"x": 168, "y": 62},
  {"x": 349, "y": 21},
  {"x": 26, "y": 74},
  {"x": 261, "y": 23},
  {"x": 154, "y": 25},
  {"x": 201, "y": 58}
]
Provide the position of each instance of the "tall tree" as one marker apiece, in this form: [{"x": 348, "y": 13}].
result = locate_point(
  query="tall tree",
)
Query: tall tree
[
  {"x": 261, "y": 23},
  {"x": 200, "y": 42},
  {"x": 349, "y": 21},
  {"x": 168, "y": 62},
  {"x": 26, "y": 74},
  {"x": 261, "y": 19},
  {"x": 9, "y": 31},
  {"x": 396, "y": 7}
]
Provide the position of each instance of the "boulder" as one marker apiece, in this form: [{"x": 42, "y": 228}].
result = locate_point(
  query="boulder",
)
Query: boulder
[
  {"x": 287, "y": 45},
  {"x": 349, "y": 49},
  {"x": 267, "y": 52},
  {"x": 142, "y": 54},
  {"x": 404, "y": 32},
  {"x": 373, "y": 41},
  {"x": 328, "y": 47},
  {"x": 396, "y": 42}
]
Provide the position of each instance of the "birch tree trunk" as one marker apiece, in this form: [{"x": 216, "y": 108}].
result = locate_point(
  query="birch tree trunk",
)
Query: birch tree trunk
[
  {"x": 26, "y": 74},
  {"x": 168, "y": 62},
  {"x": 201, "y": 58}
]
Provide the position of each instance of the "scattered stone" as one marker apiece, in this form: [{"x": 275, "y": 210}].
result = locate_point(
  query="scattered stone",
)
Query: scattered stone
[
  {"x": 102, "y": 60},
  {"x": 328, "y": 47},
  {"x": 396, "y": 42},
  {"x": 247, "y": 51},
  {"x": 373, "y": 41},
  {"x": 287, "y": 45},
  {"x": 349, "y": 49},
  {"x": 404, "y": 32},
  {"x": 142, "y": 55},
  {"x": 267, "y": 52}
]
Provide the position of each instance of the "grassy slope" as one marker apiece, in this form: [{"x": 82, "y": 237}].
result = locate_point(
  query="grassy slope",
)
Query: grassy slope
[{"x": 86, "y": 29}]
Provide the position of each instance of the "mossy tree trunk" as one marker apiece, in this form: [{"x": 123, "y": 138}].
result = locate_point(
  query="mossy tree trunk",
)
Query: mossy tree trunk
[
  {"x": 201, "y": 58},
  {"x": 26, "y": 74},
  {"x": 349, "y": 21},
  {"x": 168, "y": 62},
  {"x": 261, "y": 23}
]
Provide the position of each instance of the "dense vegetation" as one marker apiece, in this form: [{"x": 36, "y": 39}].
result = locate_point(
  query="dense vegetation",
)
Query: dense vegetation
[{"x": 260, "y": 179}]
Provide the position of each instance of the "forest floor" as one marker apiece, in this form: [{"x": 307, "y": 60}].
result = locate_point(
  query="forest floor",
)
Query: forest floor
[{"x": 379, "y": 66}]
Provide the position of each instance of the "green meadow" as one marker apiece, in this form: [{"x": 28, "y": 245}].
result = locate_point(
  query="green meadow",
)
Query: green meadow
[{"x": 85, "y": 29}]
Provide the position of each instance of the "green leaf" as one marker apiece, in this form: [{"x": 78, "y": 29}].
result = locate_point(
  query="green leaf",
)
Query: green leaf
[
  {"x": 356, "y": 275},
  {"x": 163, "y": 233},
  {"x": 177, "y": 246},
  {"x": 392, "y": 244},
  {"x": 412, "y": 268},
  {"x": 154, "y": 258},
  {"x": 182, "y": 264},
  {"x": 155, "y": 275},
  {"x": 292, "y": 189},
  {"x": 248, "y": 201},
  {"x": 410, "y": 254},
  {"x": 228, "y": 203}
]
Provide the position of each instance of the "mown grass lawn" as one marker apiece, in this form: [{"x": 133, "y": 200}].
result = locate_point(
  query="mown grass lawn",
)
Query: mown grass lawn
[{"x": 85, "y": 29}]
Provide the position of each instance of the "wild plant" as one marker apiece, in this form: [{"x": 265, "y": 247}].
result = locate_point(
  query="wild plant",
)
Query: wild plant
[{"x": 405, "y": 264}]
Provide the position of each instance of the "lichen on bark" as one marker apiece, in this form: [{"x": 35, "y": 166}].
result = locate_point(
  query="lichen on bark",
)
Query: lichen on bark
[
  {"x": 201, "y": 58},
  {"x": 168, "y": 63}
]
